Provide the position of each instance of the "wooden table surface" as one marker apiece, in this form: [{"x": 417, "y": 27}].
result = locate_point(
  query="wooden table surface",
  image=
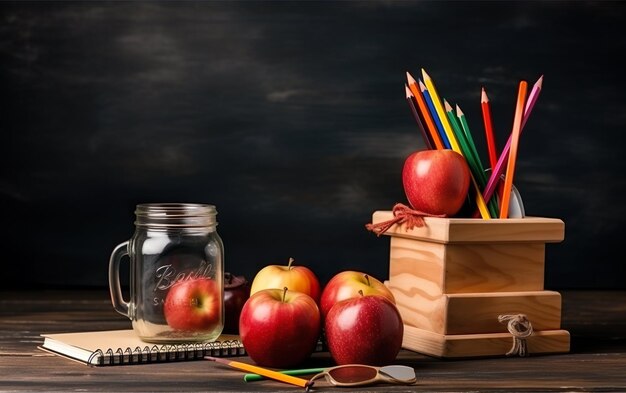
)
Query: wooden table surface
[{"x": 596, "y": 321}]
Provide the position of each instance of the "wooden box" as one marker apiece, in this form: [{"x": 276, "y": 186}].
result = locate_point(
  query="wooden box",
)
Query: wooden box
[{"x": 453, "y": 277}]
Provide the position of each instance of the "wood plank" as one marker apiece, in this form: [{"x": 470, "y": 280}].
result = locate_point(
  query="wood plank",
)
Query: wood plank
[
  {"x": 461, "y": 268},
  {"x": 478, "y": 345},
  {"x": 475, "y": 312},
  {"x": 471, "y": 230}
]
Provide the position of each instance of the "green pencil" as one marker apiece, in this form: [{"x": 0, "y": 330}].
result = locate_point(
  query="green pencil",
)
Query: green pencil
[
  {"x": 479, "y": 174},
  {"x": 493, "y": 205},
  {"x": 302, "y": 371}
]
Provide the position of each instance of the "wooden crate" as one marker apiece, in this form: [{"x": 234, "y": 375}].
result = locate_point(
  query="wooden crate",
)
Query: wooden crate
[{"x": 453, "y": 277}]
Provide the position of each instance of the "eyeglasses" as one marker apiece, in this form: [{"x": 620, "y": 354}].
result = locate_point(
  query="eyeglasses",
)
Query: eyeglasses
[{"x": 360, "y": 374}]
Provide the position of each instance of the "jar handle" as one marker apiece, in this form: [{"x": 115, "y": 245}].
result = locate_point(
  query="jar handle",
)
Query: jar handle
[{"x": 117, "y": 299}]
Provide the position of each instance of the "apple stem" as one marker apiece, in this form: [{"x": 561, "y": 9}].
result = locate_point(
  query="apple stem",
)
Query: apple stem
[
  {"x": 289, "y": 264},
  {"x": 367, "y": 278},
  {"x": 284, "y": 293},
  {"x": 361, "y": 292}
]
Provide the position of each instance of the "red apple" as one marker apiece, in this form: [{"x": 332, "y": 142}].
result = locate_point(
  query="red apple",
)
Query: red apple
[
  {"x": 236, "y": 292},
  {"x": 436, "y": 181},
  {"x": 347, "y": 284},
  {"x": 296, "y": 278},
  {"x": 279, "y": 327},
  {"x": 364, "y": 330},
  {"x": 194, "y": 305}
]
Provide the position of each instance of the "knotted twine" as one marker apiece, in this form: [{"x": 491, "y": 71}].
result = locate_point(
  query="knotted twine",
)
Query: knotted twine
[
  {"x": 520, "y": 327},
  {"x": 402, "y": 214}
]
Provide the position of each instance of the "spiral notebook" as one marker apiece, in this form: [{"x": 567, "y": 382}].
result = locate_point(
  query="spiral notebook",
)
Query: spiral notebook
[{"x": 118, "y": 347}]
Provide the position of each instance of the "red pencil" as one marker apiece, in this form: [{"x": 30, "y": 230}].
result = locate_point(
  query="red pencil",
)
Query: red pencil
[{"x": 491, "y": 141}]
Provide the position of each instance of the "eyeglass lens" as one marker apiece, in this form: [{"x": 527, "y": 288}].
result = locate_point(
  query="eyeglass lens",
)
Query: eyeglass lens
[
  {"x": 349, "y": 374},
  {"x": 402, "y": 373}
]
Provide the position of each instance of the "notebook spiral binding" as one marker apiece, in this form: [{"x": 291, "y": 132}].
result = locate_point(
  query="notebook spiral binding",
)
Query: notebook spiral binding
[{"x": 166, "y": 353}]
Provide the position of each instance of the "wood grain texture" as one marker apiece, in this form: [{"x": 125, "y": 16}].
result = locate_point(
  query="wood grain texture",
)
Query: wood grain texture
[
  {"x": 596, "y": 321},
  {"x": 474, "y": 313},
  {"x": 461, "y": 268},
  {"x": 469, "y": 230},
  {"x": 478, "y": 345}
]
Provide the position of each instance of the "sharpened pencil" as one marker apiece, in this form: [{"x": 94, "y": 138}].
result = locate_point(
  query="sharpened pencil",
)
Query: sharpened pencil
[
  {"x": 263, "y": 371},
  {"x": 424, "y": 113},
  {"x": 410, "y": 98},
  {"x": 510, "y": 169},
  {"x": 440, "y": 111},
  {"x": 504, "y": 155},
  {"x": 489, "y": 136},
  {"x": 433, "y": 113}
]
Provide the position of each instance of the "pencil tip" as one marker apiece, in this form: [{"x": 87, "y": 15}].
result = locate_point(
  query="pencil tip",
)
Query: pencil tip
[
  {"x": 539, "y": 82},
  {"x": 483, "y": 96},
  {"x": 425, "y": 75},
  {"x": 446, "y": 105},
  {"x": 422, "y": 87},
  {"x": 459, "y": 112},
  {"x": 408, "y": 91},
  {"x": 410, "y": 78}
]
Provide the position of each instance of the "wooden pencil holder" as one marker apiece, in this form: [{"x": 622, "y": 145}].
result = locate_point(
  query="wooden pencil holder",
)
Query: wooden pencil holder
[{"x": 454, "y": 277}]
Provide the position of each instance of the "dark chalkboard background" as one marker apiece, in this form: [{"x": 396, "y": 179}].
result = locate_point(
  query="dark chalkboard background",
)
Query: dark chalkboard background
[{"x": 291, "y": 119}]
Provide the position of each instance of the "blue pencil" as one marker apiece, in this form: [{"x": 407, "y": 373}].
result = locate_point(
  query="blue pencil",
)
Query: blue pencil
[{"x": 435, "y": 116}]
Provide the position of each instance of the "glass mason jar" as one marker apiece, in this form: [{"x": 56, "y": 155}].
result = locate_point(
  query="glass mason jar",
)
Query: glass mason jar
[{"x": 176, "y": 274}]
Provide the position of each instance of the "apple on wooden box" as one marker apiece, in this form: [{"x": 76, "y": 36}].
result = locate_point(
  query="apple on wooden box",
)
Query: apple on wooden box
[
  {"x": 436, "y": 182},
  {"x": 193, "y": 305},
  {"x": 279, "y": 327}
]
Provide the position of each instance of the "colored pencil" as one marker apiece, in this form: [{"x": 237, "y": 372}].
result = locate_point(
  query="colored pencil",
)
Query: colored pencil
[
  {"x": 302, "y": 371},
  {"x": 470, "y": 140},
  {"x": 481, "y": 176},
  {"x": 504, "y": 155},
  {"x": 424, "y": 113},
  {"x": 510, "y": 168},
  {"x": 440, "y": 111},
  {"x": 480, "y": 202},
  {"x": 433, "y": 112},
  {"x": 263, "y": 371},
  {"x": 491, "y": 140},
  {"x": 410, "y": 98}
]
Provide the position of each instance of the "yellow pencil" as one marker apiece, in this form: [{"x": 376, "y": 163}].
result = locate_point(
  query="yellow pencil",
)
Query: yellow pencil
[
  {"x": 480, "y": 201},
  {"x": 510, "y": 168},
  {"x": 442, "y": 114},
  {"x": 263, "y": 371}
]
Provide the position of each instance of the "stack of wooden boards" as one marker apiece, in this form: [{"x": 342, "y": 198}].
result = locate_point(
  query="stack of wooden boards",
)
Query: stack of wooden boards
[{"x": 454, "y": 277}]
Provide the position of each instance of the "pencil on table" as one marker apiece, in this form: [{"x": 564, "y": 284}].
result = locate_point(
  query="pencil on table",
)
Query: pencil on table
[
  {"x": 504, "y": 155},
  {"x": 433, "y": 112},
  {"x": 263, "y": 371},
  {"x": 510, "y": 168},
  {"x": 424, "y": 113},
  {"x": 410, "y": 98}
]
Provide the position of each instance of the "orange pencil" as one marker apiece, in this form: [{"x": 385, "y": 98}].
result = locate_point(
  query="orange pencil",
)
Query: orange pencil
[
  {"x": 423, "y": 110},
  {"x": 510, "y": 168},
  {"x": 264, "y": 372},
  {"x": 491, "y": 141}
]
